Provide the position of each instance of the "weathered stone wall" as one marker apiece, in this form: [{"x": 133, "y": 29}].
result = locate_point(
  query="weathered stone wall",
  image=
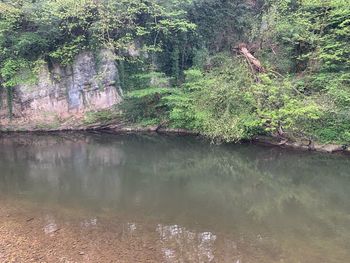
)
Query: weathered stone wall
[{"x": 64, "y": 94}]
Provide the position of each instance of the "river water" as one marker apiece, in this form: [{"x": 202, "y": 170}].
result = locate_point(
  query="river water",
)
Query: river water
[{"x": 131, "y": 198}]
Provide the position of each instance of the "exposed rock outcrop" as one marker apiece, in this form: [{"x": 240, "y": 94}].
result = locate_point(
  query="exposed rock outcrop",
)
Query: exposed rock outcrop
[{"x": 63, "y": 95}]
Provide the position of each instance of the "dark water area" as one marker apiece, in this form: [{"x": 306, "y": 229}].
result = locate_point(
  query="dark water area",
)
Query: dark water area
[{"x": 193, "y": 201}]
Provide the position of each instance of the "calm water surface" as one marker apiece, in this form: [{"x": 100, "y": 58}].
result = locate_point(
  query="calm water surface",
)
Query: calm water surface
[{"x": 195, "y": 202}]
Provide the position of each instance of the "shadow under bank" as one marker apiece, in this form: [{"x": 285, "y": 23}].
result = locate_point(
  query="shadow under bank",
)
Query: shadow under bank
[{"x": 112, "y": 128}]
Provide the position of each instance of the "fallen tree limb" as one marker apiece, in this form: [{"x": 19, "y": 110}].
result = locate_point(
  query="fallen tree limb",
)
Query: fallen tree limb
[{"x": 254, "y": 63}]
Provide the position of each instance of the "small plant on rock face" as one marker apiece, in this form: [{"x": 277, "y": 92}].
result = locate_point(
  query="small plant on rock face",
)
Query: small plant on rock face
[
  {"x": 102, "y": 116},
  {"x": 15, "y": 72}
]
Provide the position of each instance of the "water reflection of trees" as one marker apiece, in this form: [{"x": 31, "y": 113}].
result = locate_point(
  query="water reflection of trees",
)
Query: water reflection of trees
[{"x": 243, "y": 188}]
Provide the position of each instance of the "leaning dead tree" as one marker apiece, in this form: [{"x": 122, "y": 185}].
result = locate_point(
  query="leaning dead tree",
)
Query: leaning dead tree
[{"x": 254, "y": 63}]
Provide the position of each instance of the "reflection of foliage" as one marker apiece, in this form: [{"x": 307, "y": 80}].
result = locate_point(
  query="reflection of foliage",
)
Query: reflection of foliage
[{"x": 247, "y": 189}]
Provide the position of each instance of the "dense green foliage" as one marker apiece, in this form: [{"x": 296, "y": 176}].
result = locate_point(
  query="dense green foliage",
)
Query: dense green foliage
[
  {"x": 304, "y": 92},
  {"x": 181, "y": 67},
  {"x": 56, "y": 31}
]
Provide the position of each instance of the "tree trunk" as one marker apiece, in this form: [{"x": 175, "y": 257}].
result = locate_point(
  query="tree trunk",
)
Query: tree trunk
[{"x": 254, "y": 63}]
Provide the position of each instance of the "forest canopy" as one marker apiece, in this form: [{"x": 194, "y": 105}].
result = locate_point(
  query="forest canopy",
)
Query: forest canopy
[{"x": 192, "y": 64}]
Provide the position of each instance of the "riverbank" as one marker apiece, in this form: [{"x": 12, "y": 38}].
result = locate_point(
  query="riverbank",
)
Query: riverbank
[
  {"x": 264, "y": 140},
  {"x": 304, "y": 145},
  {"x": 119, "y": 128}
]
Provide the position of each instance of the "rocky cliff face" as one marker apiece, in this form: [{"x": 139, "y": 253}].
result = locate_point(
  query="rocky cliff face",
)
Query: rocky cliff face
[{"x": 63, "y": 95}]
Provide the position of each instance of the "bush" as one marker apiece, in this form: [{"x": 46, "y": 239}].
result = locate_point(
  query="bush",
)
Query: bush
[
  {"x": 102, "y": 116},
  {"x": 145, "y": 105},
  {"x": 227, "y": 104}
]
